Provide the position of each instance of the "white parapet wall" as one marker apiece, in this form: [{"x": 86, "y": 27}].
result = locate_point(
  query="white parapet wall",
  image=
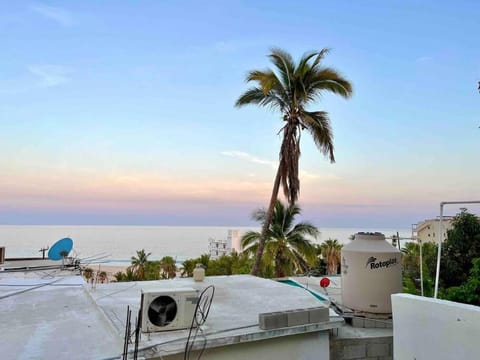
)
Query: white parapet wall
[{"x": 426, "y": 328}]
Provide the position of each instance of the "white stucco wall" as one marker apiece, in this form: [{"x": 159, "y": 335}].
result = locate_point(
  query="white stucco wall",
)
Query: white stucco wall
[
  {"x": 426, "y": 328},
  {"x": 309, "y": 346}
]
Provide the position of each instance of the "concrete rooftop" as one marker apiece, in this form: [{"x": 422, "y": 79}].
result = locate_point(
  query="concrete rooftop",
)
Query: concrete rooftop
[
  {"x": 233, "y": 315},
  {"x": 54, "y": 314},
  {"x": 48, "y": 315}
]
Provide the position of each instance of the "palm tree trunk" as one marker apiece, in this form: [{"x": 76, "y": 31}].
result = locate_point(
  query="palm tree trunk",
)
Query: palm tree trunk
[{"x": 266, "y": 224}]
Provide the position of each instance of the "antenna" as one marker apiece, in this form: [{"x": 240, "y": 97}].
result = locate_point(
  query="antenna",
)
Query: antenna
[
  {"x": 60, "y": 249},
  {"x": 42, "y": 250}
]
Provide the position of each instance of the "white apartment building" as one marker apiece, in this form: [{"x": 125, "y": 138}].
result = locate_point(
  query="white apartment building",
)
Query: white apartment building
[
  {"x": 427, "y": 230},
  {"x": 218, "y": 248}
]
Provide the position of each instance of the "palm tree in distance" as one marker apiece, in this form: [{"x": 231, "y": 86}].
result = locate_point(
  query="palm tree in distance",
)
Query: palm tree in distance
[
  {"x": 330, "y": 250},
  {"x": 140, "y": 263},
  {"x": 168, "y": 267},
  {"x": 88, "y": 274},
  {"x": 102, "y": 276},
  {"x": 290, "y": 88},
  {"x": 286, "y": 245}
]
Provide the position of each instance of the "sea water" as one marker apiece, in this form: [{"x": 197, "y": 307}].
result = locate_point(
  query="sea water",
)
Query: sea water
[{"x": 117, "y": 244}]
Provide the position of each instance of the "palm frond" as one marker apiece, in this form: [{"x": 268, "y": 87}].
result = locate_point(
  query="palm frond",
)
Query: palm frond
[
  {"x": 284, "y": 64},
  {"x": 303, "y": 65},
  {"x": 319, "y": 58},
  {"x": 318, "y": 124},
  {"x": 259, "y": 215},
  {"x": 253, "y": 95},
  {"x": 256, "y": 96},
  {"x": 266, "y": 79},
  {"x": 328, "y": 79},
  {"x": 305, "y": 228},
  {"x": 249, "y": 238}
]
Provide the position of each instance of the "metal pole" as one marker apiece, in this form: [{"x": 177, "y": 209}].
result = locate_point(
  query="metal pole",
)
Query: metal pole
[
  {"x": 421, "y": 266},
  {"x": 439, "y": 252}
]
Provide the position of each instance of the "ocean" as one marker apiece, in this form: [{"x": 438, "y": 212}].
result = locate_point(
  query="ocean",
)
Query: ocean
[{"x": 117, "y": 244}]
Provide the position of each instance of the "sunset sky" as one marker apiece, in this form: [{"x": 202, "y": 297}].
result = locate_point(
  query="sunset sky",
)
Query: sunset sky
[{"x": 123, "y": 112}]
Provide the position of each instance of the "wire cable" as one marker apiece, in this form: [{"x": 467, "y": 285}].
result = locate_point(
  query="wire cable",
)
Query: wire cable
[
  {"x": 29, "y": 289},
  {"x": 154, "y": 346},
  {"x": 200, "y": 315}
]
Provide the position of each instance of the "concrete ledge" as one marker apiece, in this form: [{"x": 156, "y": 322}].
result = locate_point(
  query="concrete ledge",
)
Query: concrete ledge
[
  {"x": 276, "y": 320},
  {"x": 297, "y": 317},
  {"x": 316, "y": 315},
  {"x": 362, "y": 346}
]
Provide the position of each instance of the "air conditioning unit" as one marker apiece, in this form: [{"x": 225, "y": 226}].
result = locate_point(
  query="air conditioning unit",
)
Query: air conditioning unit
[{"x": 164, "y": 310}]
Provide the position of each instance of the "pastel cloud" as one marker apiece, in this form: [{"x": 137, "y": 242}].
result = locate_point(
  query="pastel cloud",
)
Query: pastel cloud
[
  {"x": 57, "y": 14},
  {"x": 50, "y": 75},
  {"x": 304, "y": 175},
  {"x": 424, "y": 59},
  {"x": 248, "y": 157},
  {"x": 142, "y": 191}
]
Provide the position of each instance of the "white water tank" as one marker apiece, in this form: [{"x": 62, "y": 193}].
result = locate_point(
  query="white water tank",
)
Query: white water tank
[{"x": 371, "y": 272}]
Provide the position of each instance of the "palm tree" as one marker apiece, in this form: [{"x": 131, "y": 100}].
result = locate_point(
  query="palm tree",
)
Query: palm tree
[
  {"x": 88, "y": 274},
  {"x": 102, "y": 276},
  {"x": 119, "y": 276},
  {"x": 139, "y": 264},
  {"x": 290, "y": 88},
  {"x": 330, "y": 250},
  {"x": 168, "y": 267},
  {"x": 286, "y": 246},
  {"x": 188, "y": 266}
]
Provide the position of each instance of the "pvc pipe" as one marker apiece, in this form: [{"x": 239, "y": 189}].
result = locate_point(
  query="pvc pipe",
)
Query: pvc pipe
[
  {"x": 421, "y": 265},
  {"x": 439, "y": 252}
]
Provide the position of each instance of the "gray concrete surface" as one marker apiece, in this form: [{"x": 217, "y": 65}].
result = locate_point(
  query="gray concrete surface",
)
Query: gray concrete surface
[
  {"x": 234, "y": 315},
  {"x": 49, "y": 315}
]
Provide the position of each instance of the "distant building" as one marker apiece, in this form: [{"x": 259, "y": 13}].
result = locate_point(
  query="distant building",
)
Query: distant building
[
  {"x": 235, "y": 240},
  {"x": 427, "y": 230},
  {"x": 218, "y": 248}
]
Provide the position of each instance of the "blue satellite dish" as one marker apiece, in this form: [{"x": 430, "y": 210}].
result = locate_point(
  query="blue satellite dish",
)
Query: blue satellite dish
[{"x": 60, "y": 249}]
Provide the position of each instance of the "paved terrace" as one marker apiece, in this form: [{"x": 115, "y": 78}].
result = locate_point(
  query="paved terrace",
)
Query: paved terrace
[{"x": 233, "y": 317}]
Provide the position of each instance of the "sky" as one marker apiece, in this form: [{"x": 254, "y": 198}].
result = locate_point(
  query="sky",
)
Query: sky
[{"x": 122, "y": 112}]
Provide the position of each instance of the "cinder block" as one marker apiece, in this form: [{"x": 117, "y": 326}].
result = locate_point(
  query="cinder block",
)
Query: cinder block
[
  {"x": 378, "y": 349},
  {"x": 318, "y": 314},
  {"x": 297, "y": 317},
  {"x": 358, "y": 322},
  {"x": 273, "y": 320},
  {"x": 369, "y": 323},
  {"x": 354, "y": 352},
  {"x": 380, "y": 324}
]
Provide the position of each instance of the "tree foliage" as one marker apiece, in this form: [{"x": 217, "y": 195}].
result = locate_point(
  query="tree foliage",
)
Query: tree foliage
[
  {"x": 411, "y": 267},
  {"x": 232, "y": 264},
  {"x": 460, "y": 249},
  {"x": 88, "y": 273},
  {"x": 139, "y": 264},
  {"x": 287, "y": 248},
  {"x": 468, "y": 292},
  {"x": 460, "y": 267},
  {"x": 330, "y": 251},
  {"x": 141, "y": 269},
  {"x": 168, "y": 268},
  {"x": 290, "y": 87}
]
